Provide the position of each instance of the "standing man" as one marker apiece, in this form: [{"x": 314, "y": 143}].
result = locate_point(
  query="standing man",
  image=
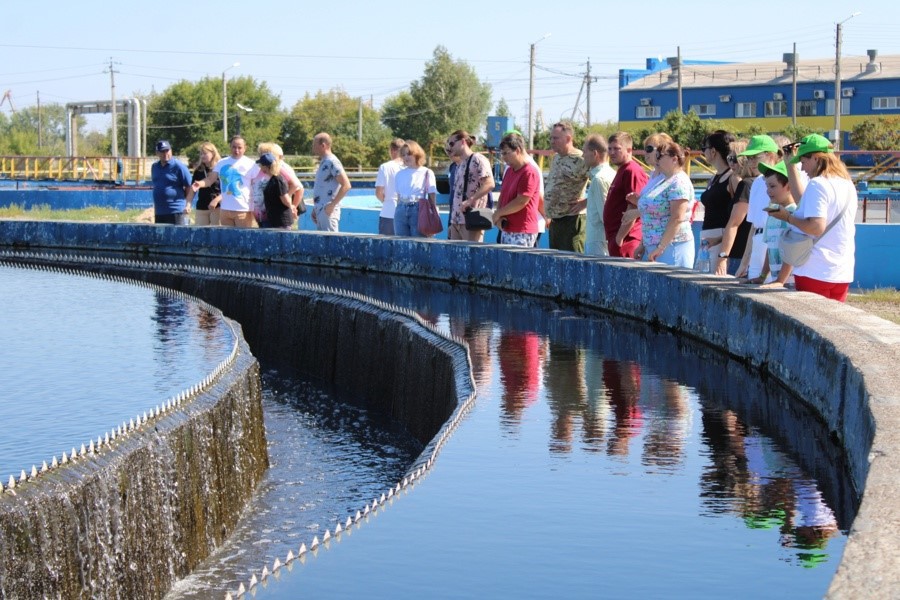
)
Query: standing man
[
  {"x": 473, "y": 182},
  {"x": 630, "y": 178},
  {"x": 235, "y": 172},
  {"x": 596, "y": 157},
  {"x": 386, "y": 190},
  {"x": 566, "y": 183},
  {"x": 330, "y": 187},
  {"x": 171, "y": 188},
  {"x": 517, "y": 216}
]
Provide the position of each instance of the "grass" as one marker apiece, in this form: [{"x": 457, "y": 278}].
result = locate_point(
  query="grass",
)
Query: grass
[{"x": 97, "y": 214}]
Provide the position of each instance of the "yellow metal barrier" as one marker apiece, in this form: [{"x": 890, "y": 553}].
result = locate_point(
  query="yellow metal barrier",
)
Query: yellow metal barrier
[{"x": 76, "y": 168}]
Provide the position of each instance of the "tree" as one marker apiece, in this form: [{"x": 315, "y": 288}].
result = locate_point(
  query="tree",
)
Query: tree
[
  {"x": 502, "y": 109},
  {"x": 687, "y": 129},
  {"x": 187, "y": 113},
  {"x": 449, "y": 96},
  {"x": 19, "y": 132},
  {"x": 881, "y": 133},
  {"x": 797, "y": 132},
  {"x": 337, "y": 113}
]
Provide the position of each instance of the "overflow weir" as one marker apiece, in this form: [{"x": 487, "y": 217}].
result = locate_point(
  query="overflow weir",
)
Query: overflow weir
[{"x": 841, "y": 361}]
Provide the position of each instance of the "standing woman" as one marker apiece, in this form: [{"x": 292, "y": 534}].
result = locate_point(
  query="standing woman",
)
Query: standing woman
[
  {"x": 717, "y": 198},
  {"x": 828, "y": 202},
  {"x": 413, "y": 183},
  {"x": 280, "y": 210},
  {"x": 737, "y": 229},
  {"x": 208, "y": 198},
  {"x": 665, "y": 206}
]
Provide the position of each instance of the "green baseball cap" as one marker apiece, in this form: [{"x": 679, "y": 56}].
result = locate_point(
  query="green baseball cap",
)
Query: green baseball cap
[
  {"x": 516, "y": 131},
  {"x": 776, "y": 168},
  {"x": 812, "y": 143},
  {"x": 760, "y": 143}
]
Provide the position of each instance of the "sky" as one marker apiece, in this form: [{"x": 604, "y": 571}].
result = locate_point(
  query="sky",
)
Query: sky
[{"x": 373, "y": 51}]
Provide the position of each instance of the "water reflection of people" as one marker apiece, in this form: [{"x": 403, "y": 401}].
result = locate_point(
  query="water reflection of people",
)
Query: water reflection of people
[
  {"x": 567, "y": 396},
  {"x": 478, "y": 337},
  {"x": 519, "y": 354},
  {"x": 665, "y": 406},
  {"x": 623, "y": 387},
  {"x": 748, "y": 477}
]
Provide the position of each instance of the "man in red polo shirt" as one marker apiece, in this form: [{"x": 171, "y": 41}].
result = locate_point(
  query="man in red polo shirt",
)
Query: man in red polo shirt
[{"x": 630, "y": 177}]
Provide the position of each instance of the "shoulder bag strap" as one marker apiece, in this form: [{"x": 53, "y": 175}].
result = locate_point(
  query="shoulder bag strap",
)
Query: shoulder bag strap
[
  {"x": 837, "y": 218},
  {"x": 466, "y": 178}
]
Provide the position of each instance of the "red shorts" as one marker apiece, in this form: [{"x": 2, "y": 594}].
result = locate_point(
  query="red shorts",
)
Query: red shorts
[
  {"x": 833, "y": 291},
  {"x": 626, "y": 250}
]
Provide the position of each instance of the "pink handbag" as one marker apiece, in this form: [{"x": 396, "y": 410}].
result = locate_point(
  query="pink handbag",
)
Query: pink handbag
[{"x": 429, "y": 220}]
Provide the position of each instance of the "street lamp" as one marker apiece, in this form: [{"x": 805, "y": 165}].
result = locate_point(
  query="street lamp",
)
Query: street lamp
[
  {"x": 837, "y": 82},
  {"x": 237, "y": 124},
  {"x": 225, "y": 102},
  {"x": 531, "y": 95}
]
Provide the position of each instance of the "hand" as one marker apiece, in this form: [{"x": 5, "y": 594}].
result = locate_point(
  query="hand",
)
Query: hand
[
  {"x": 781, "y": 214},
  {"x": 329, "y": 208},
  {"x": 187, "y": 208},
  {"x": 195, "y": 186},
  {"x": 773, "y": 284},
  {"x": 742, "y": 270},
  {"x": 722, "y": 267},
  {"x": 632, "y": 198},
  {"x": 657, "y": 252},
  {"x": 464, "y": 206},
  {"x": 497, "y": 219}
]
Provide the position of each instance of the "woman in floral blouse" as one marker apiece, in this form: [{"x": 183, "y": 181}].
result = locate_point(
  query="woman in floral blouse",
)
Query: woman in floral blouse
[{"x": 666, "y": 209}]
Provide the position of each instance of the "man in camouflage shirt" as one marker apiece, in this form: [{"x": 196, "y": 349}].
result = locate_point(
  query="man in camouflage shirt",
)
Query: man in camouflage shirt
[{"x": 564, "y": 197}]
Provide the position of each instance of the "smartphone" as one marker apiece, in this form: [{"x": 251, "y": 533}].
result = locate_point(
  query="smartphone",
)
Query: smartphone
[
  {"x": 772, "y": 208},
  {"x": 791, "y": 147}
]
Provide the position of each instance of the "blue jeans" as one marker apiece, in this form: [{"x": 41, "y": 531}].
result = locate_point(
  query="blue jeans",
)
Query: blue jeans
[
  {"x": 677, "y": 254},
  {"x": 406, "y": 219}
]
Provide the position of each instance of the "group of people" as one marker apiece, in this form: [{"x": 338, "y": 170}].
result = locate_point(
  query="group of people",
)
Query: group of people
[
  {"x": 762, "y": 192},
  {"x": 597, "y": 200},
  {"x": 237, "y": 191}
]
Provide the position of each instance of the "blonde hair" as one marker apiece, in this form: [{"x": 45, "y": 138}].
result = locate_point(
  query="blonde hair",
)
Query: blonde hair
[
  {"x": 210, "y": 147},
  {"x": 271, "y": 147},
  {"x": 273, "y": 169},
  {"x": 414, "y": 150},
  {"x": 829, "y": 165}
]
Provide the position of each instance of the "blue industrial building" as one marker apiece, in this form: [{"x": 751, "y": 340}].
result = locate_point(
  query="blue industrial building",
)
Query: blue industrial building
[{"x": 743, "y": 95}]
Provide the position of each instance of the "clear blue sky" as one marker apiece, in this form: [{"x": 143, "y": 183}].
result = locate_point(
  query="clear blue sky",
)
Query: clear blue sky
[{"x": 372, "y": 51}]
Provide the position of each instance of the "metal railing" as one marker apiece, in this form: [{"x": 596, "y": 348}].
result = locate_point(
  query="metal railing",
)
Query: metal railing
[{"x": 76, "y": 168}]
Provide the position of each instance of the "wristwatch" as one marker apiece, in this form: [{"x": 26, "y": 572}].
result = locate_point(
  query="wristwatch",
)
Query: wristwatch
[{"x": 723, "y": 255}]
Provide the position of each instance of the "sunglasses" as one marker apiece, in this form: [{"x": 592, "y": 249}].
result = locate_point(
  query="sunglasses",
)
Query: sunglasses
[
  {"x": 649, "y": 149},
  {"x": 732, "y": 158}
]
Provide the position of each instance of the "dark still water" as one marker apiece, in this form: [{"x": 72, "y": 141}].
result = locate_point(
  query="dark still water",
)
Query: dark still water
[
  {"x": 601, "y": 459},
  {"x": 80, "y": 355}
]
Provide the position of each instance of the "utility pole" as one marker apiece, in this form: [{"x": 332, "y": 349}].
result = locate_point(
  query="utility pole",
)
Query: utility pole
[
  {"x": 837, "y": 83},
  {"x": 794, "y": 86},
  {"x": 40, "y": 127},
  {"x": 115, "y": 119},
  {"x": 531, "y": 94},
  {"x": 587, "y": 82},
  {"x": 680, "y": 88}
]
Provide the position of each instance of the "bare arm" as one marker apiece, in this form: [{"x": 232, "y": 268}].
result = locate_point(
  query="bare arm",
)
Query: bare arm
[
  {"x": 738, "y": 214},
  {"x": 379, "y": 193},
  {"x": 344, "y": 183},
  {"x": 677, "y": 213}
]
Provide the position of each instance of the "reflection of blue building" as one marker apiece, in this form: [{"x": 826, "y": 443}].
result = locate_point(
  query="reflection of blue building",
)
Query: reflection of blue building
[{"x": 742, "y": 95}]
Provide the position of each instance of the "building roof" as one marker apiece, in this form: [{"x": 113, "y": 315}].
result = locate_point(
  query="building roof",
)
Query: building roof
[{"x": 853, "y": 68}]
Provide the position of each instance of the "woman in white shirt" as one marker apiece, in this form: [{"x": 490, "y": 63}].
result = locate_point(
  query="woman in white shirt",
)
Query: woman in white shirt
[
  {"x": 829, "y": 198},
  {"x": 412, "y": 183}
]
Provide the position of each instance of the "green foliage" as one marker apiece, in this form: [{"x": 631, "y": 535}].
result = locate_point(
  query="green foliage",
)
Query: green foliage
[
  {"x": 881, "y": 133},
  {"x": 687, "y": 129},
  {"x": 449, "y": 96},
  {"x": 337, "y": 113},
  {"x": 97, "y": 214},
  {"x": 187, "y": 113},
  {"x": 798, "y": 131},
  {"x": 502, "y": 109},
  {"x": 19, "y": 132}
]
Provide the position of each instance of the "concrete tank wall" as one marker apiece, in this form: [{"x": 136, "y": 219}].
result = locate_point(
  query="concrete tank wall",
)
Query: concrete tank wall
[{"x": 840, "y": 360}]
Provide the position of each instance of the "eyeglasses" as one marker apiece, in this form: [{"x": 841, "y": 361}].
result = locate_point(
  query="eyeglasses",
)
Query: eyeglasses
[
  {"x": 649, "y": 149},
  {"x": 732, "y": 158}
]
